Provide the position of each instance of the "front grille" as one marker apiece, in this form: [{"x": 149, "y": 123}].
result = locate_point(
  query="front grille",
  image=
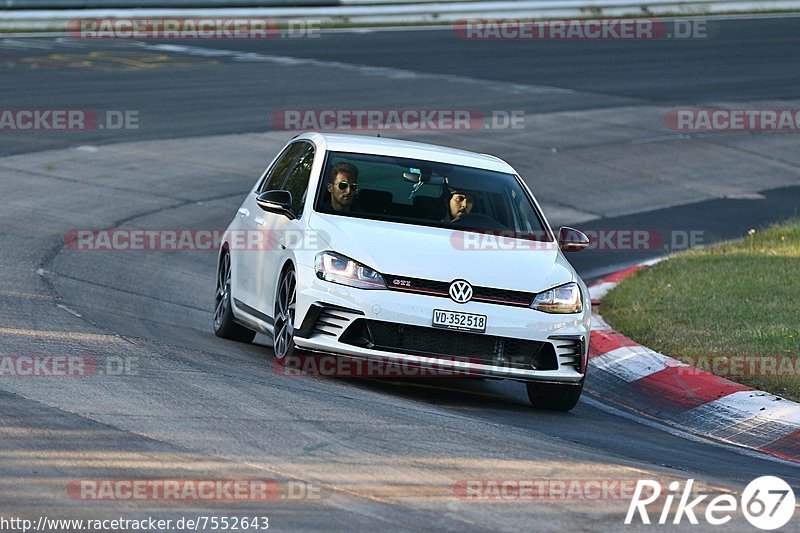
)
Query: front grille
[
  {"x": 502, "y": 296},
  {"x": 425, "y": 341},
  {"x": 441, "y": 288}
]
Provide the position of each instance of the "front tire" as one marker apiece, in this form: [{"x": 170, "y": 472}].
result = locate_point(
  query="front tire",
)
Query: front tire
[
  {"x": 554, "y": 396},
  {"x": 224, "y": 324},
  {"x": 285, "y": 305}
]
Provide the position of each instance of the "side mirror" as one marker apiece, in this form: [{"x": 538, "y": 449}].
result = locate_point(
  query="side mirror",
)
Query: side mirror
[
  {"x": 572, "y": 240},
  {"x": 279, "y": 202}
]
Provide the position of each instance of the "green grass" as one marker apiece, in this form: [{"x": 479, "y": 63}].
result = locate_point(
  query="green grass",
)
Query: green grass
[{"x": 739, "y": 298}]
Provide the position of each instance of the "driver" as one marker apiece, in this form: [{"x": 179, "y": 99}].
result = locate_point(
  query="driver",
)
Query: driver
[
  {"x": 459, "y": 203},
  {"x": 343, "y": 187}
]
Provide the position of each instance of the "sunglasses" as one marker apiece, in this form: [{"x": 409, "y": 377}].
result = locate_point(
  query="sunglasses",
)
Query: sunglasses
[{"x": 344, "y": 185}]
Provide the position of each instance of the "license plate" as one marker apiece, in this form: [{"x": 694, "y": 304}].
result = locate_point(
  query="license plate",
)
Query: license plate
[{"x": 459, "y": 320}]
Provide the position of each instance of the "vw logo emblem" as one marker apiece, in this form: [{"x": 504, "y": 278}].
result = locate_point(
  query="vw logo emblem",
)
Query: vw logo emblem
[{"x": 460, "y": 291}]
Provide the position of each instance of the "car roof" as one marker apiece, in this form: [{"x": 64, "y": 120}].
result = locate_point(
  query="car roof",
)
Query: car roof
[{"x": 363, "y": 144}]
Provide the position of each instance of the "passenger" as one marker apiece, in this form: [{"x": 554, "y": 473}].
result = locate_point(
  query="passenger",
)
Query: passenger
[
  {"x": 343, "y": 187},
  {"x": 459, "y": 203}
]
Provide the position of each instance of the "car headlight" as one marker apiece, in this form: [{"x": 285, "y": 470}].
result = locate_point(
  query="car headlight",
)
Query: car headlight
[
  {"x": 562, "y": 299},
  {"x": 337, "y": 268}
]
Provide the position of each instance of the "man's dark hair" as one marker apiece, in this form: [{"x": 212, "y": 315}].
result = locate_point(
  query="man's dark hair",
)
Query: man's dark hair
[{"x": 345, "y": 168}]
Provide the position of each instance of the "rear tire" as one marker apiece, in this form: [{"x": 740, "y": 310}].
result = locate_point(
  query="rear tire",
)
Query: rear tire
[
  {"x": 554, "y": 397},
  {"x": 224, "y": 324}
]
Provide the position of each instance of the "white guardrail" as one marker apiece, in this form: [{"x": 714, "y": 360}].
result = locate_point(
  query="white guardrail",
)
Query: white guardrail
[{"x": 398, "y": 11}]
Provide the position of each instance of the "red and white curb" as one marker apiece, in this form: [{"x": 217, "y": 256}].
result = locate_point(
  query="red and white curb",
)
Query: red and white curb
[{"x": 635, "y": 377}]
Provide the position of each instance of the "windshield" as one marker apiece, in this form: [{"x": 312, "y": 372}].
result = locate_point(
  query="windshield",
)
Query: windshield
[{"x": 428, "y": 193}]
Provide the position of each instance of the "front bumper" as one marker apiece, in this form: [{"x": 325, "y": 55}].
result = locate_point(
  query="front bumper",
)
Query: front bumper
[{"x": 519, "y": 343}]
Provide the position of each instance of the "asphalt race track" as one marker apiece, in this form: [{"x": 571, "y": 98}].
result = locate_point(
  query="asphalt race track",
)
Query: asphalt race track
[{"x": 359, "y": 454}]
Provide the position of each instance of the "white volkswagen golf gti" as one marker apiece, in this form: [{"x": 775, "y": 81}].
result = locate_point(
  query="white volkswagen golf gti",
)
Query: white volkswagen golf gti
[{"x": 374, "y": 248}]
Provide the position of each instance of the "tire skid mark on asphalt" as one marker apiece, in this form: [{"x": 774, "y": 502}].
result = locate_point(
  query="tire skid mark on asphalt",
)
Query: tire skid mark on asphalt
[
  {"x": 787, "y": 164},
  {"x": 131, "y": 293},
  {"x": 366, "y": 70},
  {"x": 694, "y": 186},
  {"x": 26, "y": 44},
  {"x": 87, "y": 183},
  {"x": 41, "y": 44},
  {"x": 61, "y": 335},
  {"x": 129, "y": 57},
  {"x": 173, "y": 158}
]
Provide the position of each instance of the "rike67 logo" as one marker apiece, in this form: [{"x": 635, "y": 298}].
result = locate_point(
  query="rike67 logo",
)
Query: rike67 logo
[{"x": 767, "y": 503}]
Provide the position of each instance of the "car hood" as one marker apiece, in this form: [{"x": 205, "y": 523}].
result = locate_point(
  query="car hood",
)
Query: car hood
[{"x": 444, "y": 255}]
